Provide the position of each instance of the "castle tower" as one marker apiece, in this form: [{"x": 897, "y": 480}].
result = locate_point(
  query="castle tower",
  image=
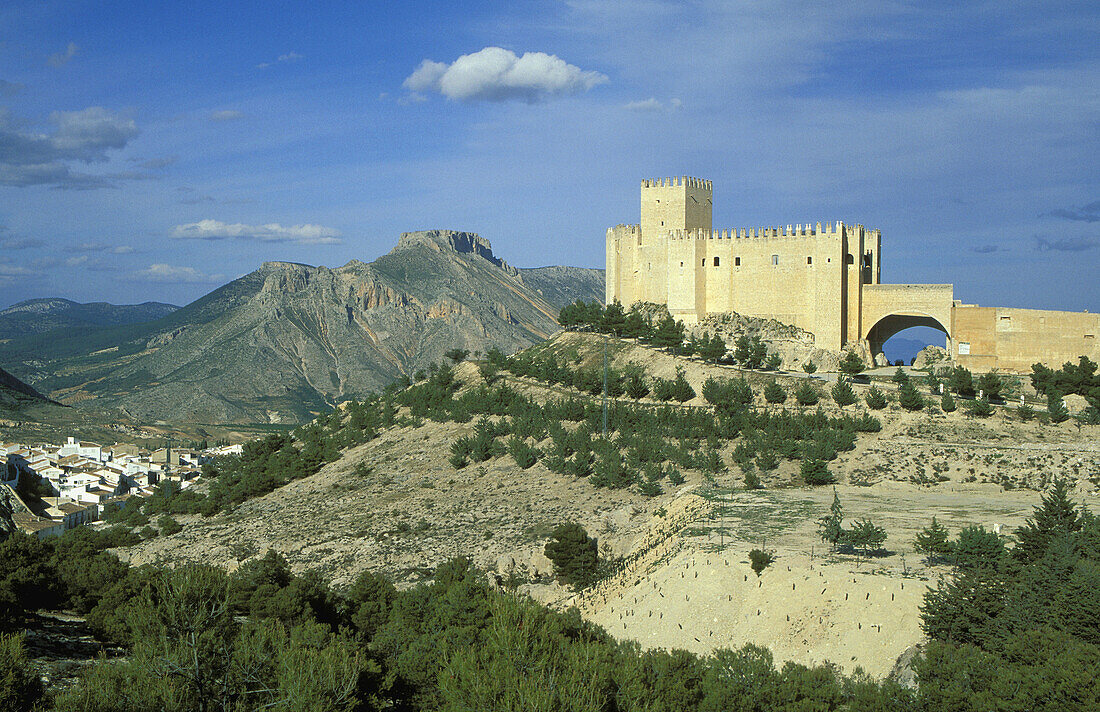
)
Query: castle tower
[{"x": 669, "y": 204}]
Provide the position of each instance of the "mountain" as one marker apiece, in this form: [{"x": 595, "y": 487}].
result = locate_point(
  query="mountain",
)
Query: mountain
[
  {"x": 16, "y": 397},
  {"x": 564, "y": 285},
  {"x": 36, "y": 316},
  {"x": 290, "y": 340}
]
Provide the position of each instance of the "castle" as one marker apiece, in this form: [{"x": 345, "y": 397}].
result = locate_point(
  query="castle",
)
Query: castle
[{"x": 821, "y": 278}]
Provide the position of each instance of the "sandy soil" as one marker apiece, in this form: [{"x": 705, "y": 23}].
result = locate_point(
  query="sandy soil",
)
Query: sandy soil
[{"x": 809, "y": 606}]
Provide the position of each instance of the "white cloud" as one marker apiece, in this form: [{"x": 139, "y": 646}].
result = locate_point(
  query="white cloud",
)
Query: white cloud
[
  {"x": 226, "y": 115},
  {"x": 270, "y": 232},
  {"x": 160, "y": 272},
  {"x": 62, "y": 58},
  {"x": 498, "y": 74}
]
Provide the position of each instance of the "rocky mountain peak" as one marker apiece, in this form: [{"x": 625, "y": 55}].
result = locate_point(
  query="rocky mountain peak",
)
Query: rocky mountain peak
[{"x": 456, "y": 241}]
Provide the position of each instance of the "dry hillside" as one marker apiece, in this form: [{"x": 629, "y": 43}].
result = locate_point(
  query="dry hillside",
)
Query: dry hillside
[{"x": 396, "y": 505}]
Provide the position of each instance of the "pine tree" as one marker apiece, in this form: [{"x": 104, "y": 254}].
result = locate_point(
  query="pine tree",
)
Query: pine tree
[
  {"x": 830, "y": 527},
  {"x": 1056, "y": 517},
  {"x": 1056, "y": 407},
  {"x": 932, "y": 541},
  {"x": 900, "y": 376},
  {"x": 774, "y": 393},
  {"x": 681, "y": 389},
  {"x": 574, "y": 555},
  {"x": 636, "y": 387},
  {"x": 815, "y": 471},
  {"x": 866, "y": 536},
  {"x": 962, "y": 382},
  {"x": 807, "y": 394},
  {"x": 909, "y": 398},
  {"x": 809, "y": 367},
  {"x": 947, "y": 403},
  {"x": 852, "y": 364},
  {"x": 669, "y": 333},
  {"x": 613, "y": 319},
  {"x": 876, "y": 399},
  {"x": 843, "y": 393}
]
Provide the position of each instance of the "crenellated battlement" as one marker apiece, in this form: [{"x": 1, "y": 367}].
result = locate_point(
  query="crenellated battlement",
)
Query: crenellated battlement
[
  {"x": 678, "y": 181},
  {"x": 800, "y": 230}
]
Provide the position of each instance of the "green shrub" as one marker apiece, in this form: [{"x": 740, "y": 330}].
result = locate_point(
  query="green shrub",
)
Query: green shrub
[
  {"x": 574, "y": 554},
  {"x": 947, "y": 402},
  {"x": 815, "y": 472},
  {"x": 909, "y": 397},
  {"x": 807, "y": 394},
  {"x": 1056, "y": 408},
  {"x": 168, "y": 525},
  {"x": 875, "y": 399},
  {"x": 843, "y": 393},
  {"x": 525, "y": 455},
  {"x": 809, "y": 367},
  {"x": 774, "y": 393},
  {"x": 760, "y": 560},
  {"x": 979, "y": 408}
]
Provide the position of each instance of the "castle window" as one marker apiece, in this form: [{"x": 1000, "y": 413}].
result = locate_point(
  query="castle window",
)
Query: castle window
[
  {"x": 849, "y": 259},
  {"x": 736, "y": 261},
  {"x": 681, "y": 264},
  {"x": 809, "y": 260},
  {"x": 704, "y": 262},
  {"x": 775, "y": 260},
  {"x": 715, "y": 261}
]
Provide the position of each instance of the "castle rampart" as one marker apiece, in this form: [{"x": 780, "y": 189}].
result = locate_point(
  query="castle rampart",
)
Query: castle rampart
[{"x": 821, "y": 277}]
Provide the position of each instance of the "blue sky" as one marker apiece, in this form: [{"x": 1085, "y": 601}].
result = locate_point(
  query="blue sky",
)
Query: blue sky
[{"x": 151, "y": 151}]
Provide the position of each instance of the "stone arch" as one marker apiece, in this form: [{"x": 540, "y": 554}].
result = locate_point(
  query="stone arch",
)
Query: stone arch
[{"x": 890, "y": 324}]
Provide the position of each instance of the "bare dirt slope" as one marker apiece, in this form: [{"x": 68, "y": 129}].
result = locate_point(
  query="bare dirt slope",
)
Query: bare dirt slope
[{"x": 810, "y": 605}]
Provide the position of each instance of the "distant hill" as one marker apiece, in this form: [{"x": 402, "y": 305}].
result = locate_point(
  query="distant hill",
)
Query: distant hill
[
  {"x": 289, "y": 340},
  {"x": 36, "y": 316}
]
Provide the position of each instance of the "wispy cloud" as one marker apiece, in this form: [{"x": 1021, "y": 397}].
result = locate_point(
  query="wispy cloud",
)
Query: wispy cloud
[
  {"x": 651, "y": 105},
  {"x": 226, "y": 115},
  {"x": 269, "y": 232},
  {"x": 60, "y": 59},
  {"x": 288, "y": 57},
  {"x": 104, "y": 248},
  {"x": 1086, "y": 213},
  {"x": 10, "y": 88},
  {"x": 22, "y": 243},
  {"x": 155, "y": 163},
  {"x": 498, "y": 74},
  {"x": 173, "y": 274},
  {"x": 43, "y": 159},
  {"x": 985, "y": 249},
  {"x": 1066, "y": 244}
]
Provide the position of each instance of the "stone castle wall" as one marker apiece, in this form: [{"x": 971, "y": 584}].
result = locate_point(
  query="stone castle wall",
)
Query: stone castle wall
[{"x": 824, "y": 278}]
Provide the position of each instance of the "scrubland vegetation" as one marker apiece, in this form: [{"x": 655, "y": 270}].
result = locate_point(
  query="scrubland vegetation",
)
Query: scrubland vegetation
[{"x": 1015, "y": 628}]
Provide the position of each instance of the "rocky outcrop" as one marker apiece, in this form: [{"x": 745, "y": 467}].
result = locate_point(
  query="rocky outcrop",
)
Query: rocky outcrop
[
  {"x": 795, "y": 346},
  {"x": 931, "y": 355}
]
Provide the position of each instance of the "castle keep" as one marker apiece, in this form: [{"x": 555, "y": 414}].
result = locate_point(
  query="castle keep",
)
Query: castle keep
[{"x": 821, "y": 278}]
